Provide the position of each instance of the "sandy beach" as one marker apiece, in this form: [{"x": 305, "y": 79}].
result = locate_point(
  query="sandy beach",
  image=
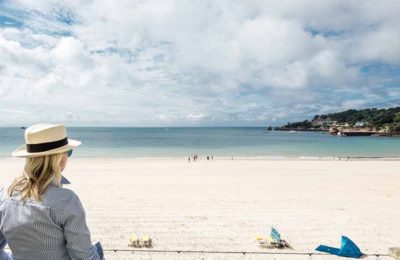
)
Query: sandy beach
[{"x": 223, "y": 205}]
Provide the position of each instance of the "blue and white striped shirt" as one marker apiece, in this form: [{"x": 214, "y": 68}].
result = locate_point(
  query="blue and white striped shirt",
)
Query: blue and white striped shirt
[{"x": 54, "y": 228}]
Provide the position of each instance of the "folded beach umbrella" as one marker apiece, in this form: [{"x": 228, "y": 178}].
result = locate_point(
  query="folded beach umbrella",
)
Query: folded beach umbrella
[{"x": 347, "y": 249}]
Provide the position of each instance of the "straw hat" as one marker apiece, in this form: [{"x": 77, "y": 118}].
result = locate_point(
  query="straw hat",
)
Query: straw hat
[{"x": 45, "y": 139}]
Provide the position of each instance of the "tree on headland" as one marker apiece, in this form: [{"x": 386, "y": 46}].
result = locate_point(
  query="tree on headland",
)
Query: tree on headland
[
  {"x": 395, "y": 127},
  {"x": 396, "y": 118}
]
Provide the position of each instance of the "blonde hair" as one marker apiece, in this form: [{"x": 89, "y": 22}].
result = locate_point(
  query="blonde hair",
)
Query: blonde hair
[{"x": 37, "y": 175}]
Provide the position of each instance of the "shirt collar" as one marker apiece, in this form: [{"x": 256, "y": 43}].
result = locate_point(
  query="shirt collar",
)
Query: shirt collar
[{"x": 62, "y": 182}]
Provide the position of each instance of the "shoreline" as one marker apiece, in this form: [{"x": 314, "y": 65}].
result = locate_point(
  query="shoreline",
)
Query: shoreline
[{"x": 238, "y": 158}]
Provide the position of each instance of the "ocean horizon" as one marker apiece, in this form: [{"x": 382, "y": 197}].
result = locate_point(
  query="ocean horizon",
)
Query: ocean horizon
[{"x": 212, "y": 141}]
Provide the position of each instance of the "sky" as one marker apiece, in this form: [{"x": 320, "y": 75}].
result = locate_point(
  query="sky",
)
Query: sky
[{"x": 195, "y": 63}]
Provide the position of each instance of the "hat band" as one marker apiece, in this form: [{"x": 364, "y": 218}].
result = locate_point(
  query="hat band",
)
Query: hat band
[{"x": 42, "y": 147}]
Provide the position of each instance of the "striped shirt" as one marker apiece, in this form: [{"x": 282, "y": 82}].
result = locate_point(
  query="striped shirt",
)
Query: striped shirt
[{"x": 54, "y": 228}]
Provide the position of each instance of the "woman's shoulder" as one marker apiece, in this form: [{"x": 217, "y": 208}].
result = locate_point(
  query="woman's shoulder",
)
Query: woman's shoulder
[
  {"x": 3, "y": 191},
  {"x": 58, "y": 197},
  {"x": 54, "y": 197}
]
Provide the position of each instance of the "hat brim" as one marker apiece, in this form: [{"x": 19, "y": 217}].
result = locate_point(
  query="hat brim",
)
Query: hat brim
[{"x": 22, "y": 152}]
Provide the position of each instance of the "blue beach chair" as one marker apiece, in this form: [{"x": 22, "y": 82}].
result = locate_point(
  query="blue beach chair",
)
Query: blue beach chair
[
  {"x": 273, "y": 241},
  {"x": 347, "y": 249},
  {"x": 275, "y": 235}
]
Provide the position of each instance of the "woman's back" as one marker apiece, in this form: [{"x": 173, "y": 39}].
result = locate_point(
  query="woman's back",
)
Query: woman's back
[{"x": 54, "y": 228}]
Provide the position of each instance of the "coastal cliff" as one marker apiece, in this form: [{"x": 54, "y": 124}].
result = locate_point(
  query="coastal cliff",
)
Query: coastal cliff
[{"x": 372, "y": 121}]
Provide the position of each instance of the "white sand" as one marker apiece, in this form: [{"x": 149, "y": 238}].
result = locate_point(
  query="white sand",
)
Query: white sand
[{"x": 223, "y": 205}]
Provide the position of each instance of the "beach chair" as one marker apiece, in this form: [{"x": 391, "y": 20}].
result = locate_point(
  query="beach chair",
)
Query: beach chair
[
  {"x": 274, "y": 240},
  {"x": 264, "y": 242},
  {"x": 146, "y": 241},
  {"x": 347, "y": 249},
  {"x": 134, "y": 241},
  {"x": 394, "y": 252}
]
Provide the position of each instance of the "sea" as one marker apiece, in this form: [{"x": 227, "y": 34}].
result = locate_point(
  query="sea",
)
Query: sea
[{"x": 230, "y": 142}]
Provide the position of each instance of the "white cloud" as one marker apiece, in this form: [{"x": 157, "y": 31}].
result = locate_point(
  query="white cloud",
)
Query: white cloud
[
  {"x": 198, "y": 62},
  {"x": 192, "y": 117},
  {"x": 380, "y": 45},
  {"x": 70, "y": 52}
]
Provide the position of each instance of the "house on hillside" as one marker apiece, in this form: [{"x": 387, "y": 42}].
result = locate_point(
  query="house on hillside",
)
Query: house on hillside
[
  {"x": 360, "y": 124},
  {"x": 324, "y": 122}
]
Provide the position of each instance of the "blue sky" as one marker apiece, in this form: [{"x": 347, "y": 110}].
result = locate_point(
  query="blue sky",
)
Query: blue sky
[{"x": 195, "y": 63}]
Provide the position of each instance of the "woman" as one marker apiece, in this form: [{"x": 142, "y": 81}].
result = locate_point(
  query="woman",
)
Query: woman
[{"x": 38, "y": 218}]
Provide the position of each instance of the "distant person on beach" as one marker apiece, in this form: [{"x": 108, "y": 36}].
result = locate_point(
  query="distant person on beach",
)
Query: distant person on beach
[
  {"x": 189, "y": 159},
  {"x": 39, "y": 219}
]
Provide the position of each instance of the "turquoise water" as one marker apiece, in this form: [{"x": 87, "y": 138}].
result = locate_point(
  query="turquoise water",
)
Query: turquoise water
[{"x": 224, "y": 141}]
